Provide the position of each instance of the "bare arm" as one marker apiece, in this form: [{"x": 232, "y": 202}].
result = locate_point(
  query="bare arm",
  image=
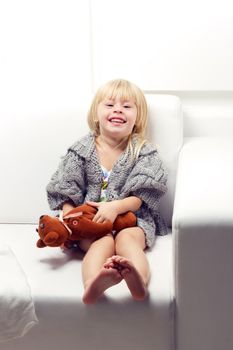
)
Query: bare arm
[
  {"x": 67, "y": 207},
  {"x": 131, "y": 203},
  {"x": 110, "y": 210}
]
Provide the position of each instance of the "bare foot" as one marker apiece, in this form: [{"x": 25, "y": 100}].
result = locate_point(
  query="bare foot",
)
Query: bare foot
[
  {"x": 106, "y": 278},
  {"x": 130, "y": 274}
]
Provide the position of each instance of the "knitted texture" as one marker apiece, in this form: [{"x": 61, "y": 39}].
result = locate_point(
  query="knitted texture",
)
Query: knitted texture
[{"x": 79, "y": 179}]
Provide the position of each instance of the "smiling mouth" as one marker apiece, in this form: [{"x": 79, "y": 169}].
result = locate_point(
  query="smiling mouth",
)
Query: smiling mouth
[{"x": 116, "y": 120}]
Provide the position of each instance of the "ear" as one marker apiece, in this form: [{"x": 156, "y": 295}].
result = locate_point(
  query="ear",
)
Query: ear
[
  {"x": 40, "y": 244},
  {"x": 74, "y": 215},
  {"x": 51, "y": 239}
]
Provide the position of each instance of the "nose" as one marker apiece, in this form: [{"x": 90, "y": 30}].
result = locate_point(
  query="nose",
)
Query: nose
[{"x": 117, "y": 108}]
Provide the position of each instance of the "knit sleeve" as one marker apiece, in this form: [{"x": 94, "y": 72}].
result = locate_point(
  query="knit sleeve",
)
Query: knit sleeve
[
  {"x": 68, "y": 182},
  {"x": 147, "y": 181}
]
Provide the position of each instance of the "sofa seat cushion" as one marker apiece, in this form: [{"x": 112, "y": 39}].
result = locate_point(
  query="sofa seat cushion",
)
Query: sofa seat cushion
[{"x": 115, "y": 321}]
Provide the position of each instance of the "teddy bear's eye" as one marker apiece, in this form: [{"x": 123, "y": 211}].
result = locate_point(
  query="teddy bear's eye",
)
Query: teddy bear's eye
[
  {"x": 75, "y": 222},
  {"x": 41, "y": 225}
]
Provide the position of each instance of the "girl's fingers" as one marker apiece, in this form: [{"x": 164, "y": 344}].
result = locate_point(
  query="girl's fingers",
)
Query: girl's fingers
[
  {"x": 101, "y": 220},
  {"x": 98, "y": 218},
  {"x": 93, "y": 204}
]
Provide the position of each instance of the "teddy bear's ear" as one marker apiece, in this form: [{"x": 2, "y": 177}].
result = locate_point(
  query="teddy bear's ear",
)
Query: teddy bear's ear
[
  {"x": 73, "y": 215},
  {"x": 51, "y": 239},
  {"x": 40, "y": 243}
]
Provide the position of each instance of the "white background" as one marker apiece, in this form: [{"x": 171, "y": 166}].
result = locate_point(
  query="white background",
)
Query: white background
[
  {"x": 164, "y": 45},
  {"x": 54, "y": 54}
]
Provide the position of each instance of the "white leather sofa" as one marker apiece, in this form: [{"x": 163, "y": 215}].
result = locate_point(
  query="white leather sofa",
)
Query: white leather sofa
[
  {"x": 203, "y": 245},
  {"x": 189, "y": 306}
]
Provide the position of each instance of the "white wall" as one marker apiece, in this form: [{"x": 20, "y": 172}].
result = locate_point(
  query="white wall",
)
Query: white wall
[
  {"x": 45, "y": 74},
  {"x": 178, "y": 47},
  {"x": 45, "y": 55},
  {"x": 164, "y": 45},
  {"x": 55, "y": 53}
]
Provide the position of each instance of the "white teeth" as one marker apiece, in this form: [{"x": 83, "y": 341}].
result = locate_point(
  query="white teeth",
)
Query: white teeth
[{"x": 116, "y": 120}]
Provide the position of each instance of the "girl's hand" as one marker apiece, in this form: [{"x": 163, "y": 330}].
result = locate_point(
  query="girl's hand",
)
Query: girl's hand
[{"x": 106, "y": 211}]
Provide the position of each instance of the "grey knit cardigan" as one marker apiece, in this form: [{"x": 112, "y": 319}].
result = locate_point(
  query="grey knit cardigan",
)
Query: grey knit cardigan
[{"x": 79, "y": 179}]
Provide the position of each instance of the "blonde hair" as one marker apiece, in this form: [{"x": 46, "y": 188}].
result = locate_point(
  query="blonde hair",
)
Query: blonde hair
[{"x": 125, "y": 91}]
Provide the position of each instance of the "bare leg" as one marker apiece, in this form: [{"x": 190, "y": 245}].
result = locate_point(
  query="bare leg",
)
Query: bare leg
[
  {"x": 131, "y": 261},
  {"x": 96, "y": 278}
]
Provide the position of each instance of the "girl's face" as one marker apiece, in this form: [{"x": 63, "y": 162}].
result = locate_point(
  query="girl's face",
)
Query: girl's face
[{"x": 116, "y": 117}]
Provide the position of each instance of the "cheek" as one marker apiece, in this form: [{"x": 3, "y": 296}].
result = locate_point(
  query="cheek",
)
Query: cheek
[
  {"x": 131, "y": 125},
  {"x": 101, "y": 114},
  {"x": 133, "y": 119},
  {"x": 133, "y": 122},
  {"x": 99, "y": 111}
]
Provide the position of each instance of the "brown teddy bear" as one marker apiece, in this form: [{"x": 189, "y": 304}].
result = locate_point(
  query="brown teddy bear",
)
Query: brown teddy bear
[{"x": 77, "y": 224}]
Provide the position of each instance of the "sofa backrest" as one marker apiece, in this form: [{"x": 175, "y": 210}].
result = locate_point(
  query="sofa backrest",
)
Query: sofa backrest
[
  {"x": 31, "y": 147},
  {"x": 166, "y": 132}
]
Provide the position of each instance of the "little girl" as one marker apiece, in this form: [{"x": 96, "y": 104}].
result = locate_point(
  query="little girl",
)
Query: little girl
[{"x": 116, "y": 170}]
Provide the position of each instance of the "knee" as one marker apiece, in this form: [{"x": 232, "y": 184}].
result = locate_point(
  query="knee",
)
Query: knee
[
  {"x": 129, "y": 237},
  {"x": 85, "y": 244},
  {"x": 123, "y": 236}
]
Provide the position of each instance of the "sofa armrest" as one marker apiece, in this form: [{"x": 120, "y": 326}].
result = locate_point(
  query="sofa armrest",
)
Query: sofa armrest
[{"x": 203, "y": 245}]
